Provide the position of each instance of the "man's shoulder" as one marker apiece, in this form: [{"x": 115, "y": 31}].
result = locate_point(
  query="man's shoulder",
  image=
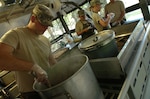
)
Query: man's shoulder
[
  {"x": 118, "y": 1},
  {"x": 13, "y": 31},
  {"x": 108, "y": 4},
  {"x": 95, "y": 15},
  {"x": 79, "y": 23},
  {"x": 19, "y": 30}
]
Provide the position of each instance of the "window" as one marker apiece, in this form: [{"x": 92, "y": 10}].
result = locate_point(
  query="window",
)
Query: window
[
  {"x": 71, "y": 19},
  {"x": 55, "y": 31},
  {"x": 134, "y": 15}
]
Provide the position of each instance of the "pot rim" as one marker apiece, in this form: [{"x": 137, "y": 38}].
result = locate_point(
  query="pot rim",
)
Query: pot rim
[
  {"x": 98, "y": 44},
  {"x": 63, "y": 82}
]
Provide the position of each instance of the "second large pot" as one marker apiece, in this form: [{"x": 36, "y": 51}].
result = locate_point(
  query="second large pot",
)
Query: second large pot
[
  {"x": 71, "y": 78},
  {"x": 101, "y": 45}
]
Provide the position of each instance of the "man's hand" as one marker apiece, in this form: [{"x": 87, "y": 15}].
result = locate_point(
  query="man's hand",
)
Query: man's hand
[
  {"x": 39, "y": 73},
  {"x": 111, "y": 15}
]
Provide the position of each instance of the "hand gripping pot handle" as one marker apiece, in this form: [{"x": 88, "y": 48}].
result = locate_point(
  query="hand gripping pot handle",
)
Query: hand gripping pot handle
[{"x": 40, "y": 75}]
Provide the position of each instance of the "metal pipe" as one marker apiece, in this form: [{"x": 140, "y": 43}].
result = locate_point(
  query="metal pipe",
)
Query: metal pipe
[{"x": 144, "y": 7}]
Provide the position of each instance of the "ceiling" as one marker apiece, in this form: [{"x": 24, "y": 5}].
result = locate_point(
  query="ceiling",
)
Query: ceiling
[
  {"x": 68, "y": 5},
  {"x": 65, "y": 5},
  {"x": 14, "y": 8}
]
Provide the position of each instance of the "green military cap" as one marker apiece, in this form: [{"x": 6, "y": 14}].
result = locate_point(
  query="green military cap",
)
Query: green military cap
[
  {"x": 81, "y": 13},
  {"x": 94, "y": 2},
  {"x": 43, "y": 14}
]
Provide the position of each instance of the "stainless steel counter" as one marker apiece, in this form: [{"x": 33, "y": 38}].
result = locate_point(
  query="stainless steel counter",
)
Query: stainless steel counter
[{"x": 135, "y": 61}]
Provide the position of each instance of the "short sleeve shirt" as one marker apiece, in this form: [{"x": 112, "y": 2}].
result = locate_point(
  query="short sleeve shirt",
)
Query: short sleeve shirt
[
  {"x": 29, "y": 47},
  {"x": 116, "y": 8},
  {"x": 79, "y": 26},
  {"x": 96, "y": 18}
]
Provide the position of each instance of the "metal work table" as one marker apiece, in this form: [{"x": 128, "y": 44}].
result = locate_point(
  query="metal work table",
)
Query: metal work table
[
  {"x": 121, "y": 68},
  {"x": 134, "y": 59}
]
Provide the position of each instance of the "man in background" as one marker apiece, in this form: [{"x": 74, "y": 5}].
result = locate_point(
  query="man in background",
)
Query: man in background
[
  {"x": 84, "y": 27},
  {"x": 100, "y": 23},
  {"x": 117, "y": 7}
]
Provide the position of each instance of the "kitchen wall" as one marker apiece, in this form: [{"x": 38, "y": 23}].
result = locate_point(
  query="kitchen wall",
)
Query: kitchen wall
[{"x": 12, "y": 23}]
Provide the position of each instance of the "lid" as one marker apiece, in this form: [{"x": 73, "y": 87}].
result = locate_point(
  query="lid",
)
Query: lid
[{"x": 97, "y": 40}]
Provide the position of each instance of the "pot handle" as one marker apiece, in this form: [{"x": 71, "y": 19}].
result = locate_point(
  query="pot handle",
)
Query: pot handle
[{"x": 96, "y": 39}]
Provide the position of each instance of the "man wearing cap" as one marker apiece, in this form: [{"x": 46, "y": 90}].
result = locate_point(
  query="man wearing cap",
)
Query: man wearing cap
[
  {"x": 25, "y": 51},
  {"x": 83, "y": 26},
  {"x": 99, "y": 22}
]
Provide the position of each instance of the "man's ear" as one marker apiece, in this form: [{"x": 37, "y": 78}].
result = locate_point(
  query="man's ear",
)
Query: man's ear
[{"x": 33, "y": 18}]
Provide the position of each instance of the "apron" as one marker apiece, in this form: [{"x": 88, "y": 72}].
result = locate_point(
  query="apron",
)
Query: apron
[{"x": 89, "y": 32}]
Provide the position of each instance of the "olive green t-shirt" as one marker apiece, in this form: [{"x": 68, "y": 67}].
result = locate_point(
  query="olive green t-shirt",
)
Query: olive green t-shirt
[
  {"x": 117, "y": 7},
  {"x": 96, "y": 18}
]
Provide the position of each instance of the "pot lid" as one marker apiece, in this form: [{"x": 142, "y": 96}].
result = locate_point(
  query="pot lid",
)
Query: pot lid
[{"x": 100, "y": 39}]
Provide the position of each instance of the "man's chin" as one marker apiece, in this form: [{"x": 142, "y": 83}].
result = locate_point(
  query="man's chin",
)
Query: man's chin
[{"x": 40, "y": 32}]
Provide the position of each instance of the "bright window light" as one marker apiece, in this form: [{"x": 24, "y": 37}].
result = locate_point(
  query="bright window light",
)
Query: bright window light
[{"x": 2, "y": 3}]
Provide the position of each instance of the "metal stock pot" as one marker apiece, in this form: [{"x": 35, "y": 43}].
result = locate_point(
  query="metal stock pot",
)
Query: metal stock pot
[
  {"x": 71, "y": 78},
  {"x": 100, "y": 45}
]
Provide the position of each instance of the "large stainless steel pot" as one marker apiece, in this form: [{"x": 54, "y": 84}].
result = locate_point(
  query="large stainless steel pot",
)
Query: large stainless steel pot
[
  {"x": 100, "y": 45},
  {"x": 71, "y": 78}
]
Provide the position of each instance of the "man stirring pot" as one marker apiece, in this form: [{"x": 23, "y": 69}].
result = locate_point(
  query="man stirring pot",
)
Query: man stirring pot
[{"x": 24, "y": 50}]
